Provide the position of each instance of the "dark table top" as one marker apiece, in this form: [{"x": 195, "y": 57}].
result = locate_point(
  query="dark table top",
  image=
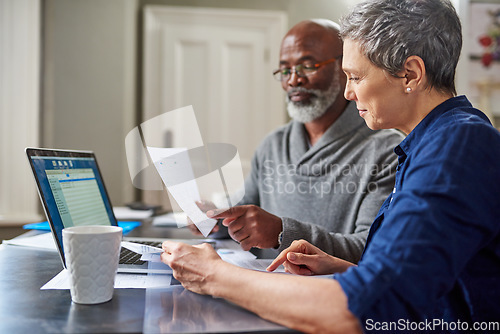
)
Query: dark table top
[{"x": 24, "y": 308}]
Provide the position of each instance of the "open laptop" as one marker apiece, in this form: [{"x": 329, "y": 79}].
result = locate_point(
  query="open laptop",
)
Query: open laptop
[{"x": 72, "y": 192}]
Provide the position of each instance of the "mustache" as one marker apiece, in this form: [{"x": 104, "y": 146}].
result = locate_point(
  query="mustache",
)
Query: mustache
[{"x": 294, "y": 90}]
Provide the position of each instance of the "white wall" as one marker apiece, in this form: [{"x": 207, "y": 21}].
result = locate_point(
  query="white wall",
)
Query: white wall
[
  {"x": 19, "y": 107},
  {"x": 89, "y": 83}
]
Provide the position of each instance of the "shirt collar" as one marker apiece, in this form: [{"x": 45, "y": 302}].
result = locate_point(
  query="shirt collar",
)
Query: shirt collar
[{"x": 414, "y": 137}]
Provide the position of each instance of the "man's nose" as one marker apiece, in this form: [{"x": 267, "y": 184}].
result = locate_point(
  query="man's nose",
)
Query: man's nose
[{"x": 295, "y": 80}]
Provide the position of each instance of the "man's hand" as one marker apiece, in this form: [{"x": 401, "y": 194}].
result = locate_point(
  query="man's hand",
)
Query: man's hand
[
  {"x": 204, "y": 207},
  {"x": 193, "y": 266},
  {"x": 250, "y": 225},
  {"x": 303, "y": 258}
]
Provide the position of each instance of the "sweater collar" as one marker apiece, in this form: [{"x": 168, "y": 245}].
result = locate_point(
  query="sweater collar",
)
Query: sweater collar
[{"x": 347, "y": 122}]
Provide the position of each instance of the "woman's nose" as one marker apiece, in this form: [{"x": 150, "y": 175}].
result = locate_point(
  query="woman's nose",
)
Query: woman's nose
[{"x": 348, "y": 92}]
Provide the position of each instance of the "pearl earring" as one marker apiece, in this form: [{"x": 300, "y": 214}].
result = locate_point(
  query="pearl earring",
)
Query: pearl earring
[{"x": 408, "y": 89}]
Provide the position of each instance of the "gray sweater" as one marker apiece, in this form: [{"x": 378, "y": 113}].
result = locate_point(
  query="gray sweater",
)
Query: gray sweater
[{"x": 329, "y": 193}]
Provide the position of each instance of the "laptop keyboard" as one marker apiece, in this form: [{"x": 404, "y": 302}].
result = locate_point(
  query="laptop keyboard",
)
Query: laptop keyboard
[{"x": 129, "y": 257}]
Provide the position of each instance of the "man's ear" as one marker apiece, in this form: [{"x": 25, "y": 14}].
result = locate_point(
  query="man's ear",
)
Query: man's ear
[{"x": 414, "y": 72}]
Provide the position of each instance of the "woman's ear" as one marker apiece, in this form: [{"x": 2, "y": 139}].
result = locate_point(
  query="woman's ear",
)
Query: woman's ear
[{"x": 414, "y": 73}]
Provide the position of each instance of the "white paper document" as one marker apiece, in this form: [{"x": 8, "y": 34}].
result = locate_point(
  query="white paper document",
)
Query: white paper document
[
  {"x": 246, "y": 260},
  {"x": 140, "y": 248},
  {"x": 122, "y": 281},
  {"x": 123, "y": 212},
  {"x": 170, "y": 219},
  {"x": 40, "y": 241},
  {"x": 174, "y": 167},
  {"x": 151, "y": 257}
]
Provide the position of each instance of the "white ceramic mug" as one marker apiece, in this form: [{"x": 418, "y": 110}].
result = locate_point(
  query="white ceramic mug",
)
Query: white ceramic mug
[{"x": 92, "y": 254}]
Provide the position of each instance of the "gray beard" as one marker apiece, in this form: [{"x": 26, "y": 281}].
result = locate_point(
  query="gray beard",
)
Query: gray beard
[{"x": 319, "y": 103}]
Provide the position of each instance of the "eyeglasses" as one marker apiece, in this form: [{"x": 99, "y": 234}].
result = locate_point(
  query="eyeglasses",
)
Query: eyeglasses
[{"x": 302, "y": 70}]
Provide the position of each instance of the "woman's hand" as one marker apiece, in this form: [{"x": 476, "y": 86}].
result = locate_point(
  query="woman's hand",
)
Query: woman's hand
[
  {"x": 303, "y": 258},
  {"x": 193, "y": 266}
]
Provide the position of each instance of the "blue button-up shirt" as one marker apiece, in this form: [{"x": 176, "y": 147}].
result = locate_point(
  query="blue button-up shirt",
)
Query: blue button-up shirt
[{"x": 433, "y": 252}]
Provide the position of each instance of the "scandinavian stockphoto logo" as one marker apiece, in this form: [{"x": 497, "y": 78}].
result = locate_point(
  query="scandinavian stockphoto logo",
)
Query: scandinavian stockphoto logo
[
  {"x": 168, "y": 151},
  {"x": 322, "y": 178}
]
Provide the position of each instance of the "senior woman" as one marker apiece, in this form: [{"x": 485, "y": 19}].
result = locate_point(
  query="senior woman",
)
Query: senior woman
[{"x": 432, "y": 259}]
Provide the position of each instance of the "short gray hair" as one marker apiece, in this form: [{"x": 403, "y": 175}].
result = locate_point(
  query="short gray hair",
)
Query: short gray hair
[{"x": 390, "y": 31}]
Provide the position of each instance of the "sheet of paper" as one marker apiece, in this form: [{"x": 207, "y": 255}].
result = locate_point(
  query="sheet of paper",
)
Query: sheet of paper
[
  {"x": 262, "y": 264},
  {"x": 140, "y": 248},
  {"x": 170, "y": 219},
  {"x": 123, "y": 212},
  {"x": 122, "y": 281},
  {"x": 235, "y": 255},
  {"x": 246, "y": 260},
  {"x": 176, "y": 172},
  {"x": 41, "y": 241},
  {"x": 151, "y": 257}
]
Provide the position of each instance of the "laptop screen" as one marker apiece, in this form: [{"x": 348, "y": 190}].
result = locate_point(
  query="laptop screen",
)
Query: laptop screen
[{"x": 71, "y": 189}]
